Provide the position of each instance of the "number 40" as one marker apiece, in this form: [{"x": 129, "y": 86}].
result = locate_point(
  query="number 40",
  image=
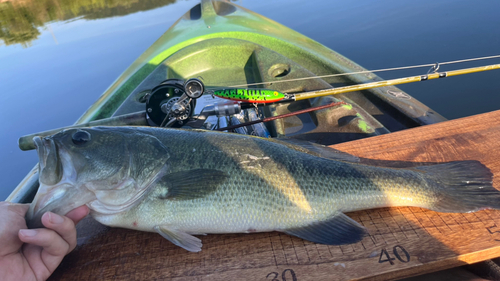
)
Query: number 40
[{"x": 396, "y": 253}]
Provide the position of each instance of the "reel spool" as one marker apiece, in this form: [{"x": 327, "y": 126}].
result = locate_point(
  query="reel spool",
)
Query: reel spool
[{"x": 163, "y": 101}]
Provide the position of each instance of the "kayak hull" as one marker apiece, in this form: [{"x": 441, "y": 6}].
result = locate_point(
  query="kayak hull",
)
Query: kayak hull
[{"x": 224, "y": 45}]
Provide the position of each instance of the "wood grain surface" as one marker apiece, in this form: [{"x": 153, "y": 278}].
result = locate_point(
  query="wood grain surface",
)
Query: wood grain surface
[{"x": 403, "y": 241}]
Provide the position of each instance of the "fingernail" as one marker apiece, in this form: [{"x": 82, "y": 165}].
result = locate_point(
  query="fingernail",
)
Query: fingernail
[
  {"x": 28, "y": 232},
  {"x": 55, "y": 218}
]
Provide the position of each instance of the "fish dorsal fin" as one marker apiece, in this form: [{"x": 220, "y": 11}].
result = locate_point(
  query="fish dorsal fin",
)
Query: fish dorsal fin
[
  {"x": 338, "y": 230},
  {"x": 192, "y": 184},
  {"x": 317, "y": 150},
  {"x": 179, "y": 238}
]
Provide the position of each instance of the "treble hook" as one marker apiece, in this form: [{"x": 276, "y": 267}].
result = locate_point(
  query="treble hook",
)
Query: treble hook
[{"x": 210, "y": 93}]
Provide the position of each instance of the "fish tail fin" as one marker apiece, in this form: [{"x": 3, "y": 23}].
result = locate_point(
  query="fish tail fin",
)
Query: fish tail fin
[{"x": 461, "y": 186}]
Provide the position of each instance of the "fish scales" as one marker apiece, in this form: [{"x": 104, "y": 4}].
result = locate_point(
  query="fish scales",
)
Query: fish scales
[
  {"x": 290, "y": 189},
  {"x": 181, "y": 183}
]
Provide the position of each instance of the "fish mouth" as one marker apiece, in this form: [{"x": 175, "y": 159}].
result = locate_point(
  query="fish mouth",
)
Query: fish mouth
[
  {"x": 57, "y": 176},
  {"x": 49, "y": 166}
]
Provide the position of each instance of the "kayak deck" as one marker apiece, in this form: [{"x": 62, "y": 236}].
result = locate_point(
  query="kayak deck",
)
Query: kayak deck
[{"x": 403, "y": 241}]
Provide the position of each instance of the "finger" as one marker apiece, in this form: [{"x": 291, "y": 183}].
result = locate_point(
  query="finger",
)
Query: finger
[
  {"x": 77, "y": 214},
  {"x": 54, "y": 247},
  {"x": 63, "y": 226},
  {"x": 33, "y": 255}
]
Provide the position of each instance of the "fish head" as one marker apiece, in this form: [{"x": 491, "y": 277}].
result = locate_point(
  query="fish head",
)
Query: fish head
[{"x": 107, "y": 170}]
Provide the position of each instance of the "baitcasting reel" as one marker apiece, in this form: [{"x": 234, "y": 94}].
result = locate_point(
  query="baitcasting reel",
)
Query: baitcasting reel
[{"x": 172, "y": 103}]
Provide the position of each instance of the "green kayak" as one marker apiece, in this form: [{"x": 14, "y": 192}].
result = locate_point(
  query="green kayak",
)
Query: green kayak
[{"x": 223, "y": 45}]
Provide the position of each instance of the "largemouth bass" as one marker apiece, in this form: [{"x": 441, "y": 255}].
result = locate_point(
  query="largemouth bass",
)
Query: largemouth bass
[{"x": 181, "y": 183}]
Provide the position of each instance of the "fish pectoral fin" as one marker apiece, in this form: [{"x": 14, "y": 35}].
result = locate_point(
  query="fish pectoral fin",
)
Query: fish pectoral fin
[
  {"x": 179, "y": 238},
  {"x": 192, "y": 184},
  {"x": 338, "y": 230},
  {"x": 318, "y": 150}
]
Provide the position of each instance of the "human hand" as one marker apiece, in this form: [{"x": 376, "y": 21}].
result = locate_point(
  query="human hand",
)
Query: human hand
[{"x": 33, "y": 254}]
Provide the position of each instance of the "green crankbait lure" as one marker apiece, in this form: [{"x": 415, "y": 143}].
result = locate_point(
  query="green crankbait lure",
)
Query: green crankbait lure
[{"x": 250, "y": 95}]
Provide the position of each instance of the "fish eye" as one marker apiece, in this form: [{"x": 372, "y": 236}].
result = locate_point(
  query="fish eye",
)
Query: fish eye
[{"x": 80, "y": 137}]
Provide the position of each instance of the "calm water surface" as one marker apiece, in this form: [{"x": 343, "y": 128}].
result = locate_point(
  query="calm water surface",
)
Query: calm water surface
[{"x": 58, "y": 56}]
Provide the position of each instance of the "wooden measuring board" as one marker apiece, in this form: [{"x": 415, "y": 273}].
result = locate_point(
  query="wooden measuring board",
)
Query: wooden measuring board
[{"x": 402, "y": 242}]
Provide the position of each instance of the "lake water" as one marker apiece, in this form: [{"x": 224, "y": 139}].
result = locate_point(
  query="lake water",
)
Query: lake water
[{"x": 58, "y": 57}]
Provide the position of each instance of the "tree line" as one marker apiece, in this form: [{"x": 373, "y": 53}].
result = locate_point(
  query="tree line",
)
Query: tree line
[{"x": 21, "y": 20}]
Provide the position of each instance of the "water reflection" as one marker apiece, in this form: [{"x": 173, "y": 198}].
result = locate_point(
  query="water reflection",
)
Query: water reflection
[
  {"x": 50, "y": 84},
  {"x": 20, "y": 20}
]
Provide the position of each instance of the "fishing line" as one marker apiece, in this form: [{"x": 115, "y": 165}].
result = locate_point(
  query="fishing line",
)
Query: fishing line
[
  {"x": 346, "y": 89},
  {"x": 435, "y": 65}
]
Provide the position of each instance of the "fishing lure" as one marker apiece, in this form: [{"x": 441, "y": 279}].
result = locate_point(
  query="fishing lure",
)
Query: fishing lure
[{"x": 250, "y": 95}]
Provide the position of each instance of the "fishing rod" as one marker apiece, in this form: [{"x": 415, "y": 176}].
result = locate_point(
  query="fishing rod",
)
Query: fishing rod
[
  {"x": 397, "y": 81},
  {"x": 282, "y": 116},
  {"x": 262, "y": 96},
  {"x": 269, "y": 96},
  {"x": 179, "y": 109}
]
